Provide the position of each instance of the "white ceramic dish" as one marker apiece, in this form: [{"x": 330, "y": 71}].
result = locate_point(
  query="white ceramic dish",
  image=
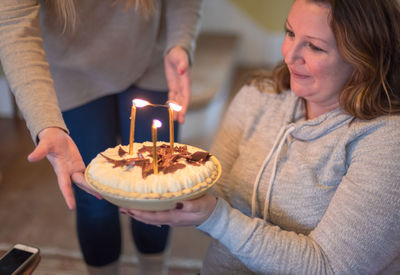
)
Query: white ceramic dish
[{"x": 153, "y": 204}]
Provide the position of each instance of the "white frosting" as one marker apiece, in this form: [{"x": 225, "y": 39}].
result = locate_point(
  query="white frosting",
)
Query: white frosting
[{"x": 127, "y": 179}]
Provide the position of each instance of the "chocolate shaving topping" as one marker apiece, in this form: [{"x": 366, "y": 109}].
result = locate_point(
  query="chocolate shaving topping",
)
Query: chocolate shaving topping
[
  {"x": 147, "y": 169},
  {"x": 172, "y": 168},
  {"x": 126, "y": 162},
  {"x": 200, "y": 156},
  {"x": 121, "y": 152},
  {"x": 167, "y": 162}
]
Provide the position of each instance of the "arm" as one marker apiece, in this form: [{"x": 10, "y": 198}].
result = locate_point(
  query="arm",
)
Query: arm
[
  {"x": 182, "y": 24},
  {"x": 24, "y": 62},
  {"x": 27, "y": 71}
]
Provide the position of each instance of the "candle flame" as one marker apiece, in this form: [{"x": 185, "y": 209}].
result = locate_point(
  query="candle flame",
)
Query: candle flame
[
  {"x": 175, "y": 107},
  {"x": 140, "y": 102},
  {"x": 157, "y": 123}
]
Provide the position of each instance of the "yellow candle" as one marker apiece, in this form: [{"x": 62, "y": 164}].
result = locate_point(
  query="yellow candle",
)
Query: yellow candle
[
  {"x": 132, "y": 131},
  {"x": 135, "y": 103},
  {"x": 172, "y": 107},
  {"x": 156, "y": 124},
  {"x": 171, "y": 129}
]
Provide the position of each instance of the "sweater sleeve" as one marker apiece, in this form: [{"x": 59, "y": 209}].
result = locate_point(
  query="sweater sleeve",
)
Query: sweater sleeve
[
  {"x": 358, "y": 234},
  {"x": 360, "y": 229},
  {"x": 225, "y": 147},
  {"x": 183, "y": 24},
  {"x": 25, "y": 66}
]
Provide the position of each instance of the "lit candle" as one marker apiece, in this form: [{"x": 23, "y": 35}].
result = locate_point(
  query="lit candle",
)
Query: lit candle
[
  {"x": 172, "y": 107},
  {"x": 135, "y": 103},
  {"x": 156, "y": 124}
]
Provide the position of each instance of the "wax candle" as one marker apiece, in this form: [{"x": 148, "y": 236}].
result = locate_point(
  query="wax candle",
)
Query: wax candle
[
  {"x": 172, "y": 107},
  {"x": 156, "y": 124},
  {"x": 135, "y": 103}
]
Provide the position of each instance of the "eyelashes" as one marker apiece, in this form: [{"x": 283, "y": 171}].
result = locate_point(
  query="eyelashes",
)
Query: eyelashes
[
  {"x": 313, "y": 47},
  {"x": 288, "y": 32}
]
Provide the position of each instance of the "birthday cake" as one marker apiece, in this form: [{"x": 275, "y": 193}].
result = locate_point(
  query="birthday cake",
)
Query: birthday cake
[{"x": 188, "y": 169}]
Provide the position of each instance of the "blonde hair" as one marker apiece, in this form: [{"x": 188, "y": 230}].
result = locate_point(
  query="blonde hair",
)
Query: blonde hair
[{"x": 66, "y": 12}]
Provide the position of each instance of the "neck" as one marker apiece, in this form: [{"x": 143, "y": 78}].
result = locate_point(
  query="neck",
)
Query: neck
[{"x": 314, "y": 110}]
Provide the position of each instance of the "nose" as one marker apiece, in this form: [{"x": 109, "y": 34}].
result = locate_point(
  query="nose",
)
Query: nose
[{"x": 292, "y": 53}]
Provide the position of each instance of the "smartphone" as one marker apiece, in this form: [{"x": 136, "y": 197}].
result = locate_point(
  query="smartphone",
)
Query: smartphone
[{"x": 17, "y": 259}]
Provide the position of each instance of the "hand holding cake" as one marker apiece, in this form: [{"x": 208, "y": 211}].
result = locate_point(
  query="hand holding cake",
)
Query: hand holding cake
[
  {"x": 67, "y": 163},
  {"x": 187, "y": 213}
]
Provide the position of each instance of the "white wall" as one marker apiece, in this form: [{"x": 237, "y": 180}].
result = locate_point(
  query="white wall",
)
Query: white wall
[{"x": 257, "y": 46}]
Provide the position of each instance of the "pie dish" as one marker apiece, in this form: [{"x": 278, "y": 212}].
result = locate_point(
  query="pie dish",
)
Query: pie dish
[{"x": 152, "y": 197}]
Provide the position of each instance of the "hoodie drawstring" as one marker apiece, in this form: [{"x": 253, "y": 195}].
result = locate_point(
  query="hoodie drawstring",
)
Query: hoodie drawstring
[{"x": 279, "y": 141}]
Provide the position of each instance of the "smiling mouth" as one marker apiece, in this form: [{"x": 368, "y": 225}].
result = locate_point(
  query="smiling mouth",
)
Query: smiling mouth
[{"x": 297, "y": 75}]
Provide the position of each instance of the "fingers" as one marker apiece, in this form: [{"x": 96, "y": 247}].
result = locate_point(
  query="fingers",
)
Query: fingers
[
  {"x": 180, "y": 93},
  {"x": 66, "y": 160},
  {"x": 39, "y": 153},
  {"x": 185, "y": 90},
  {"x": 64, "y": 183},
  {"x": 177, "y": 72},
  {"x": 137, "y": 215},
  {"x": 187, "y": 213},
  {"x": 152, "y": 217},
  {"x": 183, "y": 66},
  {"x": 79, "y": 179}
]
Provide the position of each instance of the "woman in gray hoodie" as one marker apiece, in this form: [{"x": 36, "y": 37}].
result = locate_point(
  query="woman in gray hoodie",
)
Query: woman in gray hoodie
[{"x": 310, "y": 155}]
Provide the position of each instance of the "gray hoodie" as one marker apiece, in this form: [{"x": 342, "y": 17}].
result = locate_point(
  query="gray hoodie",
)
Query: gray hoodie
[{"x": 297, "y": 196}]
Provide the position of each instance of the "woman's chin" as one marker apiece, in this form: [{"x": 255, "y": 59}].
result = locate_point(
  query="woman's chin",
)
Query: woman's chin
[{"x": 300, "y": 91}]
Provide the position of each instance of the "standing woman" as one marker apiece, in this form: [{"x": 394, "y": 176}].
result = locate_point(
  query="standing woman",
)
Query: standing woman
[
  {"x": 74, "y": 68},
  {"x": 311, "y": 156}
]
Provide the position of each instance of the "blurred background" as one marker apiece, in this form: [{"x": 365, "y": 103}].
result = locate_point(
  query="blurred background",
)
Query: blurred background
[{"x": 237, "y": 38}]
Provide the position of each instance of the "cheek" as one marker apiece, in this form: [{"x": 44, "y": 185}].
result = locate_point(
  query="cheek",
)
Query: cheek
[
  {"x": 319, "y": 68},
  {"x": 337, "y": 72},
  {"x": 343, "y": 72},
  {"x": 331, "y": 75}
]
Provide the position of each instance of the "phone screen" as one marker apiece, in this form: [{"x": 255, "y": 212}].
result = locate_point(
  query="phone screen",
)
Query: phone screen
[{"x": 13, "y": 260}]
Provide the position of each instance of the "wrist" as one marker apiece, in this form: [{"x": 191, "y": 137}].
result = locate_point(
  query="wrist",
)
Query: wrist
[
  {"x": 50, "y": 131},
  {"x": 212, "y": 204}
]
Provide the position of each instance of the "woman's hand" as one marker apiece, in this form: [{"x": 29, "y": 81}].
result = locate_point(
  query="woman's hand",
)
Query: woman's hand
[
  {"x": 187, "y": 213},
  {"x": 66, "y": 160},
  {"x": 177, "y": 72}
]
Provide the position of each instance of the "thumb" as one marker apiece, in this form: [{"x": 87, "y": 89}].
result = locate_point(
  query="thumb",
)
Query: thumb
[{"x": 39, "y": 153}]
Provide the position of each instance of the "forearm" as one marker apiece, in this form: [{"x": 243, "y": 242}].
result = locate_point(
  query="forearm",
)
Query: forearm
[
  {"x": 24, "y": 62},
  {"x": 262, "y": 247},
  {"x": 183, "y": 24}
]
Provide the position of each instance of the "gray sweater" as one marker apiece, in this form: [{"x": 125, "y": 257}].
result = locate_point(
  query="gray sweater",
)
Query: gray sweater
[
  {"x": 111, "y": 49},
  {"x": 326, "y": 191}
]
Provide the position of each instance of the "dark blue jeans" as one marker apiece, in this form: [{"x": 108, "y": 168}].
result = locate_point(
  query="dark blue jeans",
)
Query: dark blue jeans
[{"x": 94, "y": 127}]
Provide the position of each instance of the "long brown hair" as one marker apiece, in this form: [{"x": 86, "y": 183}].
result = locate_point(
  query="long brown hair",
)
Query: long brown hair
[
  {"x": 368, "y": 37},
  {"x": 66, "y": 13}
]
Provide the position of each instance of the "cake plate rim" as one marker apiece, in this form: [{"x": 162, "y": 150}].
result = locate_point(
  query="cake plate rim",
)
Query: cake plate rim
[{"x": 153, "y": 204}]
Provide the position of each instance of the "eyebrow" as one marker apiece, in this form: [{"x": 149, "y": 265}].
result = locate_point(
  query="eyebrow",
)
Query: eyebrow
[{"x": 288, "y": 26}]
